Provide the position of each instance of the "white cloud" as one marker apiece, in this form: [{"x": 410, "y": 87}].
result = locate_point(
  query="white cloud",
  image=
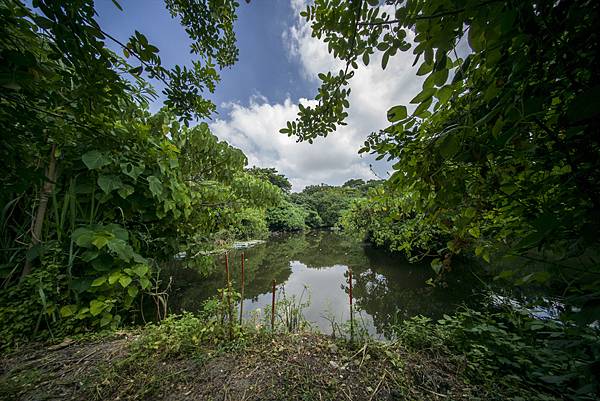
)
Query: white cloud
[{"x": 333, "y": 160}]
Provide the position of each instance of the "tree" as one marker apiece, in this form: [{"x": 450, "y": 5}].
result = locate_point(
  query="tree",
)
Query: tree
[
  {"x": 501, "y": 147},
  {"x": 286, "y": 217},
  {"x": 354, "y": 183},
  {"x": 115, "y": 189},
  {"x": 270, "y": 174}
]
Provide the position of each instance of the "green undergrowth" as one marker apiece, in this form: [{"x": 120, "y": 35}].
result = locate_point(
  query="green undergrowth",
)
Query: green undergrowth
[{"x": 470, "y": 355}]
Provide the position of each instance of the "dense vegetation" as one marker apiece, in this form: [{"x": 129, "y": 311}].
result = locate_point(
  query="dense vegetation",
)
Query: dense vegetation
[
  {"x": 496, "y": 159},
  {"x": 316, "y": 206},
  {"x": 97, "y": 190},
  {"x": 499, "y": 154}
]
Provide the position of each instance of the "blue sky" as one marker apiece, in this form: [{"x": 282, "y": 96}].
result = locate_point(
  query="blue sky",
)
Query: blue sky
[
  {"x": 277, "y": 69},
  {"x": 264, "y": 66}
]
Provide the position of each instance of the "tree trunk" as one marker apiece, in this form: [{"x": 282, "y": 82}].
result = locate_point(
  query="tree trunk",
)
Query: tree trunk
[{"x": 38, "y": 224}]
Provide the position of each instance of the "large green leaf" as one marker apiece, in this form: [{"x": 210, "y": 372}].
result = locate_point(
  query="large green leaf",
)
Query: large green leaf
[
  {"x": 95, "y": 159},
  {"x": 449, "y": 146},
  {"x": 109, "y": 183},
  {"x": 155, "y": 185},
  {"x": 96, "y": 307},
  {"x": 122, "y": 249},
  {"x": 99, "y": 281},
  {"x": 68, "y": 310},
  {"x": 83, "y": 237},
  {"x": 118, "y": 231}
]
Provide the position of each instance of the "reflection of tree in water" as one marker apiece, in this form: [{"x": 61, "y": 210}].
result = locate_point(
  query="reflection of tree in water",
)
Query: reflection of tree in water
[
  {"x": 387, "y": 287},
  {"x": 392, "y": 289},
  {"x": 192, "y": 285}
]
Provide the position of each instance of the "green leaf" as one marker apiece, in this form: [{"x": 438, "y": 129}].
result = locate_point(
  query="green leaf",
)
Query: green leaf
[
  {"x": 132, "y": 291},
  {"x": 99, "y": 281},
  {"x": 509, "y": 188},
  {"x": 83, "y": 237},
  {"x": 106, "y": 319},
  {"x": 109, "y": 183},
  {"x": 449, "y": 147},
  {"x": 423, "y": 109},
  {"x": 81, "y": 284},
  {"x": 145, "y": 283},
  {"x": 95, "y": 159},
  {"x": 365, "y": 58},
  {"x": 397, "y": 113},
  {"x": 132, "y": 170},
  {"x": 122, "y": 249},
  {"x": 443, "y": 94},
  {"x": 100, "y": 240},
  {"x": 90, "y": 255},
  {"x": 425, "y": 68},
  {"x": 96, "y": 307},
  {"x": 82, "y": 313},
  {"x": 385, "y": 59},
  {"x": 156, "y": 186},
  {"x": 140, "y": 269},
  {"x": 114, "y": 277},
  {"x": 116, "y": 3},
  {"x": 125, "y": 191},
  {"x": 474, "y": 231},
  {"x": 427, "y": 93},
  {"x": 436, "y": 265},
  {"x": 118, "y": 231},
  {"x": 136, "y": 70},
  {"x": 125, "y": 281},
  {"x": 68, "y": 310}
]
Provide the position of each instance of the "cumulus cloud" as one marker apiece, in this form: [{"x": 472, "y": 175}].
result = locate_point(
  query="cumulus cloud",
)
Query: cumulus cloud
[{"x": 255, "y": 128}]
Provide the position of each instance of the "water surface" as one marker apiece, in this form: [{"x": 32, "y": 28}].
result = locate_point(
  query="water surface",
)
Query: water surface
[{"x": 386, "y": 287}]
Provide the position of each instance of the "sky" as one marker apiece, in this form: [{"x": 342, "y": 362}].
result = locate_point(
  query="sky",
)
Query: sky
[{"x": 277, "y": 69}]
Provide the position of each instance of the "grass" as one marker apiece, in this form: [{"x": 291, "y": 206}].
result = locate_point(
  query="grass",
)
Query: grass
[{"x": 178, "y": 360}]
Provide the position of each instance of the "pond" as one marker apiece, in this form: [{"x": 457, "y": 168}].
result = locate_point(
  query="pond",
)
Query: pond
[{"x": 314, "y": 265}]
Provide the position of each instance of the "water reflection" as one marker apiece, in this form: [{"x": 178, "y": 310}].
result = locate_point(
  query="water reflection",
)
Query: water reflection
[{"x": 386, "y": 287}]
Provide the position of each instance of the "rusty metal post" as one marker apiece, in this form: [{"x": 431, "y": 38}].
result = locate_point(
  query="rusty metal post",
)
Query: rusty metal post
[
  {"x": 242, "y": 291},
  {"x": 273, "y": 308},
  {"x": 351, "y": 309},
  {"x": 230, "y": 315}
]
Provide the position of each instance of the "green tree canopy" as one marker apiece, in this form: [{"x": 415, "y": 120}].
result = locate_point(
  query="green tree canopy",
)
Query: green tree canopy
[
  {"x": 498, "y": 153},
  {"x": 270, "y": 174}
]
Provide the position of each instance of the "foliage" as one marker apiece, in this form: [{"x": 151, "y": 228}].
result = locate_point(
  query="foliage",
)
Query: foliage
[
  {"x": 327, "y": 201},
  {"x": 34, "y": 304},
  {"x": 252, "y": 224},
  {"x": 286, "y": 217},
  {"x": 550, "y": 358},
  {"x": 96, "y": 189},
  {"x": 271, "y": 175},
  {"x": 499, "y": 149},
  {"x": 179, "y": 335},
  {"x": 392, "y": 220}
]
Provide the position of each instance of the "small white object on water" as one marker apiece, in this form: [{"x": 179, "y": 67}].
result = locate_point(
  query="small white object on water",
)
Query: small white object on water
[{"x": 247, "y": 244}]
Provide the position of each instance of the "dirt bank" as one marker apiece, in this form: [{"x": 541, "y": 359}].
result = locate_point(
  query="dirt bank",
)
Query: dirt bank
[{"x": 285, "y": 367}]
